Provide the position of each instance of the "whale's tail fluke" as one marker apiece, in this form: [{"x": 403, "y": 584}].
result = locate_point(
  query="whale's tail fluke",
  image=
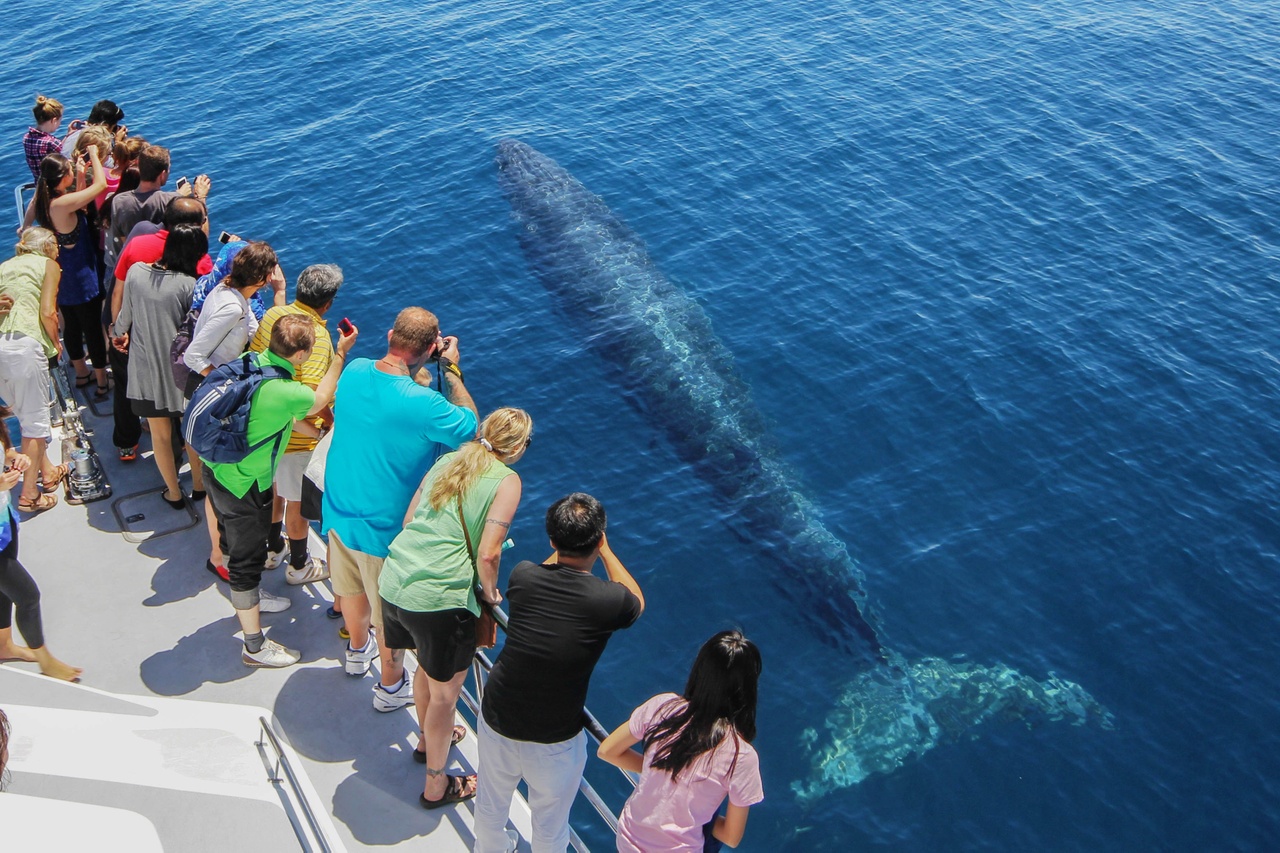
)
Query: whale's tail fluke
[{"x": 885, "y": 717}]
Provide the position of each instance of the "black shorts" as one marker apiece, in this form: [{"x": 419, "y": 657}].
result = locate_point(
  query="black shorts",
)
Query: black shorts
[
  {"x": 148, "y": 409},
  {"x": 443, "y": 640}
]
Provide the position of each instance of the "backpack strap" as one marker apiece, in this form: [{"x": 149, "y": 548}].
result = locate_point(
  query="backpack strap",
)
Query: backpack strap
[{"x": 280, "y": 373}]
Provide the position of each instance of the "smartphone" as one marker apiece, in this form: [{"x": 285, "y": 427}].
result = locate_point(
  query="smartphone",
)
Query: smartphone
[
  {"x": 345, "y": 327},
  {"x": 224, "y": 237},
  {"x": 182, "y": 182}
]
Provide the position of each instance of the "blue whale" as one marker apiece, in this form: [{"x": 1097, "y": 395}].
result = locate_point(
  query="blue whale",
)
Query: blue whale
[{"x": 684, "y": 378}]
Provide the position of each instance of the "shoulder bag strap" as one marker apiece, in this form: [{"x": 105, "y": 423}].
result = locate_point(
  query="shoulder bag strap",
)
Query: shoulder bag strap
[{"x": 471, "y": 552}]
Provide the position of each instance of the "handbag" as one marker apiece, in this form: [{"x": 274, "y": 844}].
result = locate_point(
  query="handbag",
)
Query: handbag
[
  {"x": 178, "y": 349},
  {"x": 486, "y": 625}
]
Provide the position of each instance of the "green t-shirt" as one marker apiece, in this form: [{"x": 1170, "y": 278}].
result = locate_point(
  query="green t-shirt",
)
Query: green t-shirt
[
  {"x": 276, "y": 404},
  {"x": 428, "y": 568}
]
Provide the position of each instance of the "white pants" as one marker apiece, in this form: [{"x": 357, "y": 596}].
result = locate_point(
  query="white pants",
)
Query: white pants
[
  {"x": 552, "y": 772},
  {"x": 24, "y": 383}
]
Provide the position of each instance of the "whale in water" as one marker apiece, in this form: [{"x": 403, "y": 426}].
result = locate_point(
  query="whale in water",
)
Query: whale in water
[{"x": 684, "y": 378}]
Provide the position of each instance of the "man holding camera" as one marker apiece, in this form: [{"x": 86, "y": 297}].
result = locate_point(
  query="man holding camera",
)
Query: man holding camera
[
  {"x": 562, "y": 616},
  {"x": 387, "y": 423}
]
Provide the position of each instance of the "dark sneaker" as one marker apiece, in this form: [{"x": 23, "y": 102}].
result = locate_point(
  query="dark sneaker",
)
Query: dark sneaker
[{"x": 128, "y": 454}]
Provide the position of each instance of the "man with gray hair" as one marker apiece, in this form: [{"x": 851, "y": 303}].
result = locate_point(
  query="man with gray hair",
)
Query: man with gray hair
[{"x": 316, "y": 288}]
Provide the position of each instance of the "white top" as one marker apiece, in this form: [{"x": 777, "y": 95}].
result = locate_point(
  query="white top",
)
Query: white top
[{"x": 225, "y": 327}]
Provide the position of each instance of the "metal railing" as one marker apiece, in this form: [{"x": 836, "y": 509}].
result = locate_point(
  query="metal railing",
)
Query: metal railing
[
  {"x": 480, "y": 667},
  {"x": 316, "y": 840},
  {"x": 18, "y": 192}
]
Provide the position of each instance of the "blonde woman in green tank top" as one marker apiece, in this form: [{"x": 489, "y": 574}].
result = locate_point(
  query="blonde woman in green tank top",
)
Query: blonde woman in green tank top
[
  {"x": 429, "y": 581},
  {"x": 28, "y": 338}
]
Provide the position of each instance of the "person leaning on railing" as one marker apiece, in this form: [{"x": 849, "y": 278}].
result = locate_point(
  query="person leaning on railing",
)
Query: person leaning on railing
[
  {"x": 697, "y": 752},
  {"x": 530, "y": 727},
  {"x": 40, "y": 141},
  {"x": 28, "y": 339},
  {"x": 62, "y": 194},
  {"x": 388, "y": 421},
  {"x": 451, "y": 543}
]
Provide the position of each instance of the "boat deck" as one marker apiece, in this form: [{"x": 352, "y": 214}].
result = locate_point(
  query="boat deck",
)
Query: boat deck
[{"x": 129, "y": 600}]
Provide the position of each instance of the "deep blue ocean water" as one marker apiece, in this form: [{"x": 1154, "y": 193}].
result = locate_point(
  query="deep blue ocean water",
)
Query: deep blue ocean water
[{"x": 1003, "y": 277}]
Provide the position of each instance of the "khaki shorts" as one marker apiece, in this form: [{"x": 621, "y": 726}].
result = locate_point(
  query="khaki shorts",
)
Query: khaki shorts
[{"x": 353, "y": 572}]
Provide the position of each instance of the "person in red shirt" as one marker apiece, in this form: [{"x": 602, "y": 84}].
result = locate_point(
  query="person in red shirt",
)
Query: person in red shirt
[{"x": 143, "y": 249}]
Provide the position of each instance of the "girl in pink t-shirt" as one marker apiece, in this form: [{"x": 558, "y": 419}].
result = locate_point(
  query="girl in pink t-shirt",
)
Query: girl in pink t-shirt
[{"x": 697, "y": 751}]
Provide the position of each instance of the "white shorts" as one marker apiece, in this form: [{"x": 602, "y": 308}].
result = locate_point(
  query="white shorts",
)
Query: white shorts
[
  {"x": 24, "y": 383},
  {"x": 289, "y": 474}
]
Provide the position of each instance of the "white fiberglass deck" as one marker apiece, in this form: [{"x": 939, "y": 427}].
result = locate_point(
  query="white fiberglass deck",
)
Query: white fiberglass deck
[{"x": 146, "y": 620}]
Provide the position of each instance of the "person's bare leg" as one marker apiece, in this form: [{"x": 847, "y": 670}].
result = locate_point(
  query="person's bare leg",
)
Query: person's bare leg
[
  {"x": 9, "y": 650},
  {"x": 295, "y": 526},
  {"x": 34, "y": 449},
  {"x": 437, "y": 725},
  {"x": 355, "y": 615},
  {"x": 162, "y": 452},
  {"x": 392, "y": 663},
  {"x": 197, "y": 469},
  {"x": 55, "y": 668},
  {"x": 277, "y": 509},
  {"x": 420, "y": 705},
  {"x": 82, "y": 368}
]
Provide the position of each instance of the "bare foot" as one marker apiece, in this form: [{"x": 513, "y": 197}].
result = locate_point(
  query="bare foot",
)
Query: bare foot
[
  {"x": 55, "y": 668},
  {"x": 13, "y": 651}
]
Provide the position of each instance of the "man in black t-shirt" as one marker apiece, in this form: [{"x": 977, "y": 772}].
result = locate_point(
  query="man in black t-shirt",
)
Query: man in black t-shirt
[{"x": 531, "y": 718}]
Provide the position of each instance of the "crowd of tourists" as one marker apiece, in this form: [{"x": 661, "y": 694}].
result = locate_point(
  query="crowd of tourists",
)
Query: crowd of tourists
[{"x": 113, "y": 271}]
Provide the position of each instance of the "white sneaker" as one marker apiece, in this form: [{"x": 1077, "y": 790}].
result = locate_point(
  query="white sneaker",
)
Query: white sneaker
[
  {"x": 271, "y": 603},
  {"x": 271, "y": 654},
  {"x": 315, "y": 569},
  {"x": 358, "y": 660},
  {"x": 275, "y": 558},
  {"x": 387, "y": 701}
]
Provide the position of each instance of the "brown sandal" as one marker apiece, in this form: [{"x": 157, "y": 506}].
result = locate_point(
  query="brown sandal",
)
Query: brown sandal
[
  {"x": 60, "y": 474},
  {"x": 38, "y": 504}
]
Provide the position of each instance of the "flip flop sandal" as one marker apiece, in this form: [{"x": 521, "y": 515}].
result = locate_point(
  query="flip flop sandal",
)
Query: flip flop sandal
[
  {"x": 83, "y": 381},
  {"x": 39, "y": 504},
  {"x": 459, "y": 732},
  {"x": 60, "y": 474},
  {"x": 103, "y": 392},
  {"x": 452, "y": 793}
]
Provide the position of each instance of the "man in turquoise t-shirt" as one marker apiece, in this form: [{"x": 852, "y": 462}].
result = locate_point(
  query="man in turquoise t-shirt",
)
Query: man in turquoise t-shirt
[
  {"x": 241, "y": 492},
  {"x": 388, "y": 421}
]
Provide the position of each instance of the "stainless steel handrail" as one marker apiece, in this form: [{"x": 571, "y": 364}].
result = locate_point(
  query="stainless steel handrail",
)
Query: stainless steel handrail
[
  {"x": 17, "y": 197},
  {"x": 480, "y": 667},
  {"x": 282, "y": 763}
]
